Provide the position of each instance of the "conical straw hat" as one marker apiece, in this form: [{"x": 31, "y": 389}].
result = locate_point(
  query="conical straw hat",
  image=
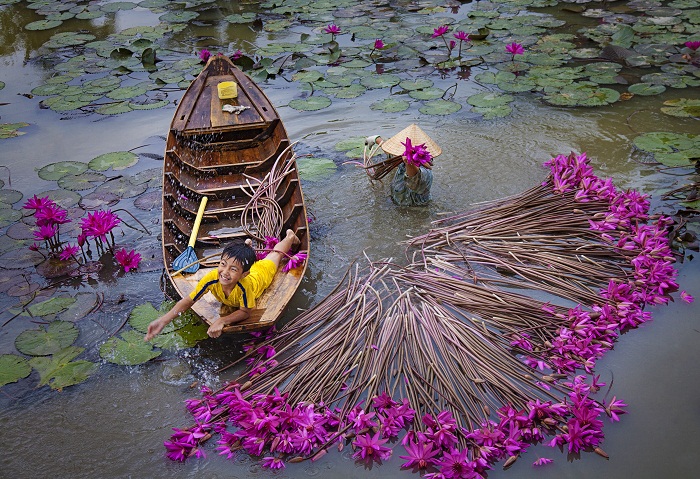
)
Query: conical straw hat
[{"x": 393, "y": 145}]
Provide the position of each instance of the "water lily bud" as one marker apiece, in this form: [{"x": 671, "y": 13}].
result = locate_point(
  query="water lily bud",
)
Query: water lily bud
[
  {"x": 600, "y": 452},
  {"x": 294, "y": 460},
  {"x": 319, "y": 455},
  {"x": 511, "y": 460}
]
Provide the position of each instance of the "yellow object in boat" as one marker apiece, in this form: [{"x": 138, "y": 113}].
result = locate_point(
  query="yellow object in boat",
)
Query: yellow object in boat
[{"x": 227, "y": 89}]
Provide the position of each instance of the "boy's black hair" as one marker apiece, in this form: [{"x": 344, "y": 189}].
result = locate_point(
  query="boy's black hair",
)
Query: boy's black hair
[{"x": 241, "y": 252}]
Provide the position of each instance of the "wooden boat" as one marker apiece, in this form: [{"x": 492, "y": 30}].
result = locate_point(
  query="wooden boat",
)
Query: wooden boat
[{"x": 217, "y": 154}]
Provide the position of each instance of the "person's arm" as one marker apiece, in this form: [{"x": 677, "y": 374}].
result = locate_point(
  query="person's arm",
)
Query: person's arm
[
  {"x": 217, "y": 327},
  {"x": 157, "y": 325}
]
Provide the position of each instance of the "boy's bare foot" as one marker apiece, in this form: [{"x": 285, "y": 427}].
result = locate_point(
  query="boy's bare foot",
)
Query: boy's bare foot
[{"x": 290, "y": 235}]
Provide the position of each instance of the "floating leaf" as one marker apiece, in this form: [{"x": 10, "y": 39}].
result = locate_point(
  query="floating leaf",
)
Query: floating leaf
[
  {"x": 84, "y": 181},
  {"x": 51, "y": 306},
  {"x": 85, "y": 303},
  {"x": 390, "y": 105},
  {"x": 10, "y": 197},
  {"x": 440, "y": 107},
  {"x": 62, "y": 198},
  {"x": 130, "y": 350},
  {"x": 646, "y": 89},
  {"x": 10, "y": 130},
  {"x": 114, "y": 108},
  {"x": 185, "y": 337},
  {"x": 142, "y": 315},
  {"x": 351, "y": 91},
  {"x": 13, "y": 368},
  {"x": 311, "y": 104},
  {"x": 490, "y": 113},
  {"x": 43, "y": 25},
  {"x": 416, "y": 85},
  {"x": 663, "y": 142},
  {"x": 98, "y": 199},
  {"x": 149, "y": 201},
  {"x": 58, "y": 371},
  {"x": 675, "y": 159},
  {"x": 19, "y": 258},
  {"x": 42, "y": 342},
  {"x": 431, "y": 93},
  {"x": 489, "y": 99},
  {"x": 350, "y": 144},
  {"x": 56, "y": 171},
  {"x": 9, "y": 216},
  {"x": 117, "y": 160},
  {"x": 682, "y": 108},
  {"x": 380, "y": 81},
  {"x": 122, "y": 187},
  {"x": 178, "y": 17},
  {"x": 314, "y": 169}
]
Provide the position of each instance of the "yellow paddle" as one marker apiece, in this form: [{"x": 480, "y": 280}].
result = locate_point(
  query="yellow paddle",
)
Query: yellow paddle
[{"x": 189, "y": 255}]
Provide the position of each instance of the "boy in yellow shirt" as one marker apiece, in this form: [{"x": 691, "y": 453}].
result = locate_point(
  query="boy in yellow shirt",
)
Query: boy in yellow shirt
[{"x": 238, "y": 281}]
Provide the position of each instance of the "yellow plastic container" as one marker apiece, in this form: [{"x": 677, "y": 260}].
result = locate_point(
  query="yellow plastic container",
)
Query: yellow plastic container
[{"x": 227, "y": 89}]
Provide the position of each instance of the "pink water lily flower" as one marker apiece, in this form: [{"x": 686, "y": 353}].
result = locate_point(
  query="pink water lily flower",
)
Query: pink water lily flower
[
  {"x": 99, "y": 223},
  {"x": 128, "y": 260},
  {"x": 440, "y": 31},
  {"x": 332, "y": 28},
  {"x": 694, "y": 45},
  {"x": 515, "y": 49},
  {"x": 295, "y": 261},
  {"x": 68, "y": 252},
  {"x": 273, "y": 463},
  {"x": 371, "y": 447},
  {"x": 46, "y": 232},
  {"x": 204, "y": 55},
  {"x": 687, "y": 297},
  {"x": 542, "y": 461},
  {"x": 36, "y": 203},
  {"x": 378, "y": 44},
  {"x": 236, "y": 55},
  {"x": 461, "y": 36}
]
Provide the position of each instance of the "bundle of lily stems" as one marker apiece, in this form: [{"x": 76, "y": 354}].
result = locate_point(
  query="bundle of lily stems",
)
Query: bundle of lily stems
[{"x": 484, "y": 344}]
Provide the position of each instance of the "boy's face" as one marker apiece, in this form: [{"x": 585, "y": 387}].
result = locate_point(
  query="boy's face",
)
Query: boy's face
[{"x": 230, "y": 271}]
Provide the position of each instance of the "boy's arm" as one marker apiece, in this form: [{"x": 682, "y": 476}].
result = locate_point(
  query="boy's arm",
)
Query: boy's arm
[
  {"x": 157, "y": 325},
  {"x": 241, "y": 314}
]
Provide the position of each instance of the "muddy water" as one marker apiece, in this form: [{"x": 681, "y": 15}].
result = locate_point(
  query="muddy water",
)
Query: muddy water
[{"x": 113, "y": 425}]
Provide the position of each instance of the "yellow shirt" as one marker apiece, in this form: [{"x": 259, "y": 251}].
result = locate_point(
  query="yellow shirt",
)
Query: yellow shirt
[{"x": 246, "y": 290}]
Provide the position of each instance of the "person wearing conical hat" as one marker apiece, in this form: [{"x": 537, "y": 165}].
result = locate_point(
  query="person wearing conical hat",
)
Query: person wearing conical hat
[{"x": 414, "y": 177}]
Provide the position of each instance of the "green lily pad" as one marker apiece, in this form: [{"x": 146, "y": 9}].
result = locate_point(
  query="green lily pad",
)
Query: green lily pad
[
  {"x": 646, "y": 89},
  {"x": 419, "y": 84},
  {"x": 114, "y": 7},
  {"x": 42, "y": 342},
  {"x": 130, "y": 350},
  {"x": 246, "y": 17},
  {"x": 348, "y": 144},
  {"x": 663, "y": 142},
  {"x": 178, "y": 17},
  {"x": 42, "y": 25},
  {"x": 675, "y": 159},
  {"x": 13, "y": 368},
  {"x": 62, "y": 198},
  {"x": 122, "y": 187},
  {"x": 51, "y": 306},
  {"x": 489, "y": 99},
  {"x": 148, "y": 104},
  {"x": 10, "y": 130},
  {"x": 56, "y": 171},
  {"x": 312, "y": 103},
  {"x": 114, "y": 108},
  {"x": 440, "y": 107},
  {"x": 19, "y": 258},
  {"x": 390, "y": 105},
  {"x": 380, "y": 81},
  {"x": 84, "y": 181},
  {"x": 351, "y": 91},
  {"x": 314, "y": 169},
  {"x": 10, "y": 197},
  {"x": 59, "y": 371},
  {"x": 9, "y": 216},
  {"x": 432, "y": 93},
  {"x": 142, "y": 315},
  {"x": 149, "y": 201},
  {"x": 682, "y": 108},
  {"x": 117, "y": 160},
  {"x": 128, "y": 92},
  {"x": 185, "y": 337},
  {"x": 84, "y": 304},
  {"x": 2, "y": 85},
  {"x": 492, "y": 112}
]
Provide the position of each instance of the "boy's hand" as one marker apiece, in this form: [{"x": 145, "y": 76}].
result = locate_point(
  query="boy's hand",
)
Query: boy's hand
[
  {"x": 216, "y": 328},
  {"x": 154, "y": 330}
]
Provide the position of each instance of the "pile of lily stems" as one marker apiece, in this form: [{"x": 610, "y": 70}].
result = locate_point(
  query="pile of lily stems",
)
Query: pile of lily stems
[
  {"x": 438, "y": 331},
  {"x": 262, "y": 216}
]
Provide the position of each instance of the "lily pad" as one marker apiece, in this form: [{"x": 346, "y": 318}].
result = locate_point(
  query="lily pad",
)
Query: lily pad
[
  {"x": 142, "y": 315},
  {"x": 117, "y": 160},
  {"x": 51, "y": 306},
  {"x": 682, "y": 108},
  {"x": 56, "y": 171},
  {"x": 390, "y": 105},
  {"x": 59, "y": 371},
  {"x": 10, "y": 130},
  {"x": 130, "y": 350},
  {"x": 312, "y": 103},
  {"x": 440, "y": 107},
  {"x": 13, "y": 368},
  {"x": 646, "y": 89},
  {"x": 675, "y": 159},
  {"x": 43, "y": 25},
  {"x": 42, "y": 342},
  {"x": 62, "y": 198},
  {"x": 84, "y": 181},
  {"x": 84, "y": 304},
  {"x": 9, "y": 216},
  {"x": 380, "y": 81},
  {"x": 489, "y": 99},
  {"x": 416, "y": 84},
  {"x": 20, "y": 258},
  {"x": 99, "y": 199},
  {"x": 350, "y": 144},
  {"x": 314, "y": 169},
  {"x": 490, "y": 113},
  {"x": 114, "y": 108},
  {"x": 10, "y": 197},
  {"x": 663, "y": 142},
  {"x": 149, "y": 201},
  {"x": 351, "y": 91},
  {"x": 178, "y": 17},
  {"x": 122, "y": 187},
  {"x": 432, "y": 93},
  {"x": 185, "y": 337}
]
